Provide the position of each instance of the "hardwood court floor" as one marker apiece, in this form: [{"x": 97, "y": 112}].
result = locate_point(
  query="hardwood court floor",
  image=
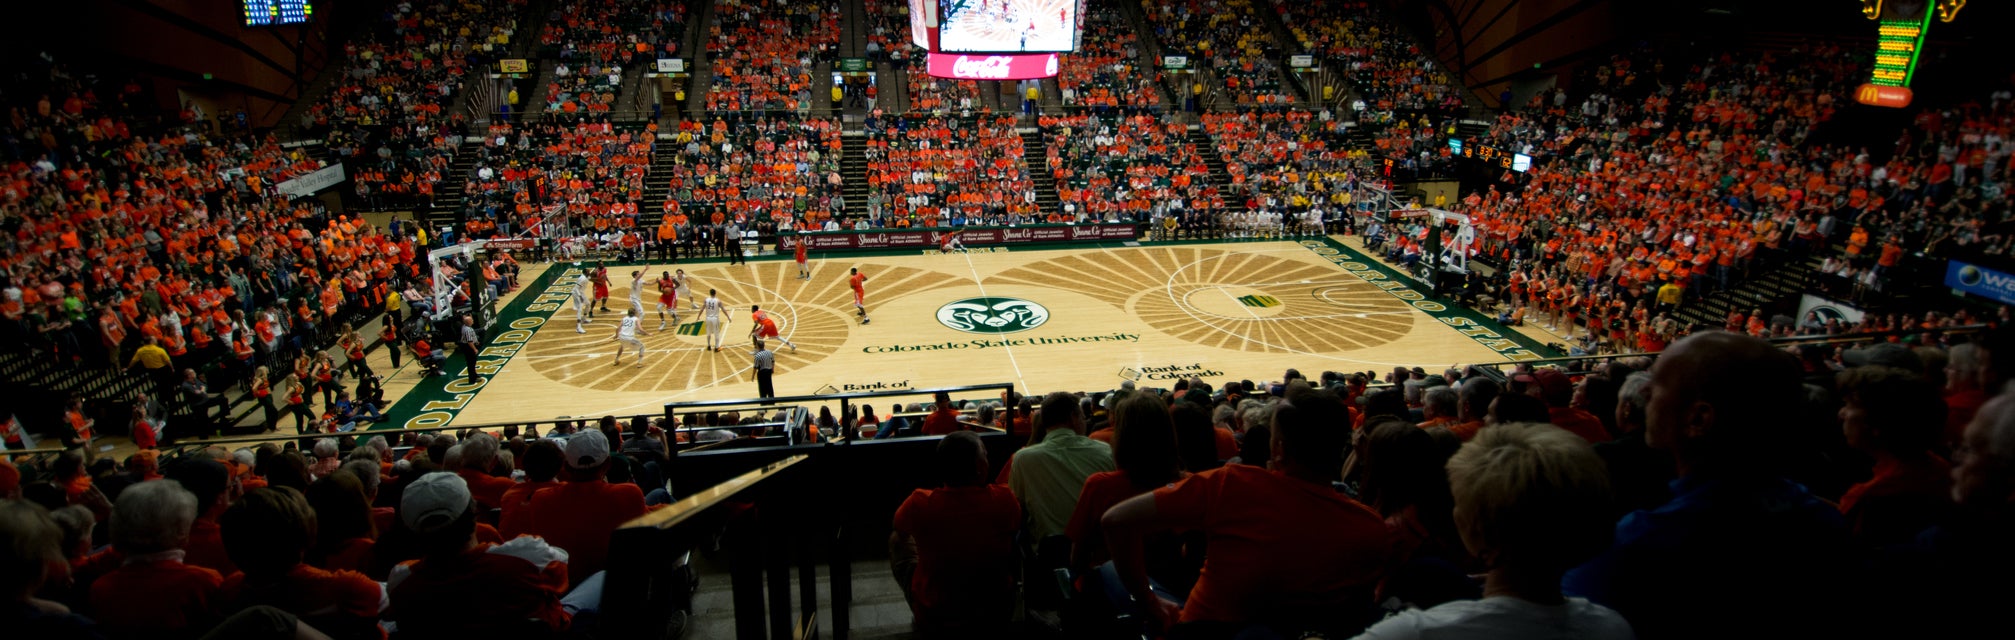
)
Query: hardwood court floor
[{"x": 1075, "y": 319}]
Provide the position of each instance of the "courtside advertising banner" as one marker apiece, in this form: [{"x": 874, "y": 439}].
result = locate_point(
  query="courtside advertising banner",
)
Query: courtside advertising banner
[
  {"x": 1980, "y": 281},
  {"x": 972, "y": 236},
  {"x": 993, "y": 67}
]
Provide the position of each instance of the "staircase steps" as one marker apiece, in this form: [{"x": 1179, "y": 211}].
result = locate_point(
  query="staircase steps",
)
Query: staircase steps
[{"x": 1035, "y": 160}]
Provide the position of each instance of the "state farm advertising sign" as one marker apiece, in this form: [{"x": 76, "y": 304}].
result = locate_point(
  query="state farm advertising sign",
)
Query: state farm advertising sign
[
  {"x": 966, "y": 66},
  {"x": 969, "y": 237}
]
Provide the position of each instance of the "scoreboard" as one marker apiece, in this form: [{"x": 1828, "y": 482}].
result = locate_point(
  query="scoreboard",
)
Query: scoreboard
[{"x": 267, "y": 13}]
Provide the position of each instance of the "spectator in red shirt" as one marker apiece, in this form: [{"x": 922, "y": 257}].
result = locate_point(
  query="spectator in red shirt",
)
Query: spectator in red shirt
[
  {"x": 268, "y": 533},
  {"x": 542, "y": 463},
  {"x": 516, "y": 586},
  {"x": 1287, "y": 551},
  {"x": 1144, "y": 448},
  {"x": 952, "y": 550},
  {"x": 579, "y": 515},
  {"x": 1558, "y": 392},
  {"x": 944, "y": 418},
  {"x": 154, "y": 593},
  {"x": 479, "y": 455},
  {"x": 344, "y": 531},
  {"x": 211, "y": 483},
  {"x": 1896, "y": 417}
]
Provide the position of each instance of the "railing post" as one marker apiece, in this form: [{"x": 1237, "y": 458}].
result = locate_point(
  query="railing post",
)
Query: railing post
[
  {"x": 746, "y": 575},
  {"x": 840, "y": 572},
  {"x": 776, "y": 558}
]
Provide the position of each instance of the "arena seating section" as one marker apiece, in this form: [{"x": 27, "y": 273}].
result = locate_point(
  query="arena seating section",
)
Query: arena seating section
[{"x": 1700, "y": 170}]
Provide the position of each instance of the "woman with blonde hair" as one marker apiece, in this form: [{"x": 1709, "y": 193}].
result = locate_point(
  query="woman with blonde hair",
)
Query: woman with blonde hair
[
  {"x": 353, "y": 350},
  {"x": 297, "y": 403},
  {"x": 1508, "y": 477},
  {"x": 262, "y": 392}
]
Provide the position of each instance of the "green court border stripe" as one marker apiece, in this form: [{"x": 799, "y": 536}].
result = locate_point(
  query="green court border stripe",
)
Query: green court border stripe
[
  {"x": 437, "y": 400},
  {"x": 1478, "y": 326}
]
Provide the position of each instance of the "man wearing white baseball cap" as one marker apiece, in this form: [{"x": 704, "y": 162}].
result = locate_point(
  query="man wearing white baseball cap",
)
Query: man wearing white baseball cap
[
  {"x": 580, "y": 514},
  {"x": 514, "y": 584}
]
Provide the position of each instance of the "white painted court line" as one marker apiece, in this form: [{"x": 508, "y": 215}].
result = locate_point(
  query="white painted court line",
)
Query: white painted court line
[{"x": 1019, "y": 379}]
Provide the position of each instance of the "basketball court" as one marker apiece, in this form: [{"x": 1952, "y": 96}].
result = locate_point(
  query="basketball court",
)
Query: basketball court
[{"x": 1081, "y": 318}]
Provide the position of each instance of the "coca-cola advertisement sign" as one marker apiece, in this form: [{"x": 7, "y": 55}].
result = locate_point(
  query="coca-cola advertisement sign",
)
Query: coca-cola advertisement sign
[
  {"x": 971, "y": 236},
  {"x": 994, "y": 67}
]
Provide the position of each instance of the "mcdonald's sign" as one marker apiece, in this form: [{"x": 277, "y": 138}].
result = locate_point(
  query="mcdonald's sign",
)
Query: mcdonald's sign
[{"x": 1883, "y": 96}]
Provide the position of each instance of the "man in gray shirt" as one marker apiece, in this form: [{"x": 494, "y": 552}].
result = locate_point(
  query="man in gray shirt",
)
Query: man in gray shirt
[
  {"x": 468, "y": 345},
  {"x": 765, "y": 364}
]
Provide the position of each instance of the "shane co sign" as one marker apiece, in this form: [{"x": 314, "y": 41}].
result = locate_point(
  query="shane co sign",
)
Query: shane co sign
[{"x": 993, "y": 315}]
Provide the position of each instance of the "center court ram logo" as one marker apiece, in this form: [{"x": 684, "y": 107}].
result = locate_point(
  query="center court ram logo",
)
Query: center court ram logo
[{"x": 993, "y": 315}]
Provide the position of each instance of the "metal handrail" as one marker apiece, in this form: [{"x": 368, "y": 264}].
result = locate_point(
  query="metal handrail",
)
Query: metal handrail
[{"x": 692, "y": 505}]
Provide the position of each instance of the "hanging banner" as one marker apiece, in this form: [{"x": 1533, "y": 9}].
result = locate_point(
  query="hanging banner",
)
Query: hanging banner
[{"x": 313, "y": 183}]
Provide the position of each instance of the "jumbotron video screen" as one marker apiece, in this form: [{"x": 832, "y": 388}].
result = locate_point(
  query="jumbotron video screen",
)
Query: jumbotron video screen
[{"x": 1009, "y": 26}]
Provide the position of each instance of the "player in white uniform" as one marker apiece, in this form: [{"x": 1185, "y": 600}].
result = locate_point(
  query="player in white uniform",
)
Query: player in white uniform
[
  {"x": 582, "y": 299},
  {"x": 626, "y": 336},
  {"x": 684, "y": 286},
  {"x": 714, "y": 320},
  {"x": 637, "y": 291}
]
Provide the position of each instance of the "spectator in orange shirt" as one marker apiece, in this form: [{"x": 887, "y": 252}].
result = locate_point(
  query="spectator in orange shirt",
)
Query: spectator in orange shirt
[
  {"x": 154, "y": 593},
  {"x": 579, "y": 515},
  {"x": 1287, "y": 551},
  {"x": 944, "y": 418},
  {"x": 1473, "y": 405},
  {"x": 1438, "y": 404},
  {"x": 952, "y": 550},
  {"x": 1144, "y": 448},
  {"x": 268, "y": 533}
]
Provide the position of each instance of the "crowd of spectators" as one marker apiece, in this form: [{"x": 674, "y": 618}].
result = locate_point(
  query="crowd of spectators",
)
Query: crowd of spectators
[
  {"x": 614, "y": 32},
  {"x": 498, "y": 534},
  {"x": 1230, "y": 38},
  {"x": 757, "y": 171},
  {"x": 928, "y": 171},
  {"x": 763, "y": 51},
  {"x": 1602, "y": 501},
  {"x": 1287, "y": 162},
  {"x": 1693, "y": 182},
  {"x": 1136, "y": 168},
  {"x": 143, "y": 243},
  {"x": 385, "y": 115},
  {"x": 1384, "y": 63},
  {"x": 1105, "y": 72},
  {"x": 556, "y": 179}
]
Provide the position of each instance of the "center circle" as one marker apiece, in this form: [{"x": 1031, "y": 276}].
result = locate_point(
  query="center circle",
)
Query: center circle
[
  {"x": 992, "y": 315},
  {"x": 1232, "y": 301}
]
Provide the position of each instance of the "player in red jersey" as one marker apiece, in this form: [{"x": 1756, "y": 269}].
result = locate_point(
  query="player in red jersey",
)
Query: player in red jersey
[
  {"x": 766, "y": 328},
  {"x": 668, "y": 298},
  {"x": 860, "y": 293},
  {"x": 804, "y": 269}
]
